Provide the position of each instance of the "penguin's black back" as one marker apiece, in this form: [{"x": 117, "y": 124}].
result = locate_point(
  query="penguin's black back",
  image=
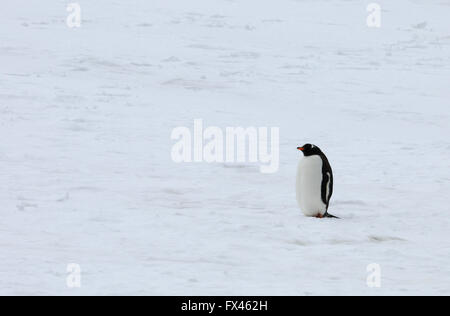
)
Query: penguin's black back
[{"x": 327, "y": 176}]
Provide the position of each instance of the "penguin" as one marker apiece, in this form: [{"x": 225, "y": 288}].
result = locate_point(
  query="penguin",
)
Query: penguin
[{"x": 314, "y": 185}]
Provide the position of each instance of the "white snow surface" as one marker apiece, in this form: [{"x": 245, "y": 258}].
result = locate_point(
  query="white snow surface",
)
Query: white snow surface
[{"x": 86, "y": 174}]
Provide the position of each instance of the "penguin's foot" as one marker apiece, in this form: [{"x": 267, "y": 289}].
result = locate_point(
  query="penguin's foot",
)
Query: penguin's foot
[{"x": 326, "y": 215}]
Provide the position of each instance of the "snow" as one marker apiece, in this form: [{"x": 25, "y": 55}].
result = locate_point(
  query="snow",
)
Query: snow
[{"x": 86, "y": 174}]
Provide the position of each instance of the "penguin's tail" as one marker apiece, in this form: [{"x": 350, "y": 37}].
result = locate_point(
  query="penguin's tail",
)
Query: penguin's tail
[{"x": 327, "y": 215}]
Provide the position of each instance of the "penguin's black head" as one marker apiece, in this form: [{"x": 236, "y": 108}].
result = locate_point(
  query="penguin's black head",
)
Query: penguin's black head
[{"x": 310, "y": 150}]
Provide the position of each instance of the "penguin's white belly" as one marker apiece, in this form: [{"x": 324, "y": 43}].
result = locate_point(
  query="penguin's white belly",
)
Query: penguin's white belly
[{"x": 309, "y": 186}]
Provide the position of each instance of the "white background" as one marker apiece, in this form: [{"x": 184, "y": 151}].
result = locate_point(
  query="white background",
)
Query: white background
[{"x": 86, "y": 174}]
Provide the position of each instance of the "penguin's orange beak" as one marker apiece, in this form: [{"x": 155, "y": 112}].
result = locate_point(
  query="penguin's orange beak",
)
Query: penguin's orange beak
[{"x": 300, "y": 148}]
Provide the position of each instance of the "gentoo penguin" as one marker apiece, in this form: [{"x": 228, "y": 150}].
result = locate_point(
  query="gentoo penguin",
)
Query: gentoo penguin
[{"x": 314, "y": 182}]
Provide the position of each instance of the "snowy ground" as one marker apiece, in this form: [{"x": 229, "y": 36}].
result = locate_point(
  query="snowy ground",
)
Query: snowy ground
[{"x": 86, "y": 174}]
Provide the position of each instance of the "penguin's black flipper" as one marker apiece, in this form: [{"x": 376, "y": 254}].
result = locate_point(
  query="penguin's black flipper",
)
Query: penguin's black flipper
[{"x": 330, "y": 216}]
